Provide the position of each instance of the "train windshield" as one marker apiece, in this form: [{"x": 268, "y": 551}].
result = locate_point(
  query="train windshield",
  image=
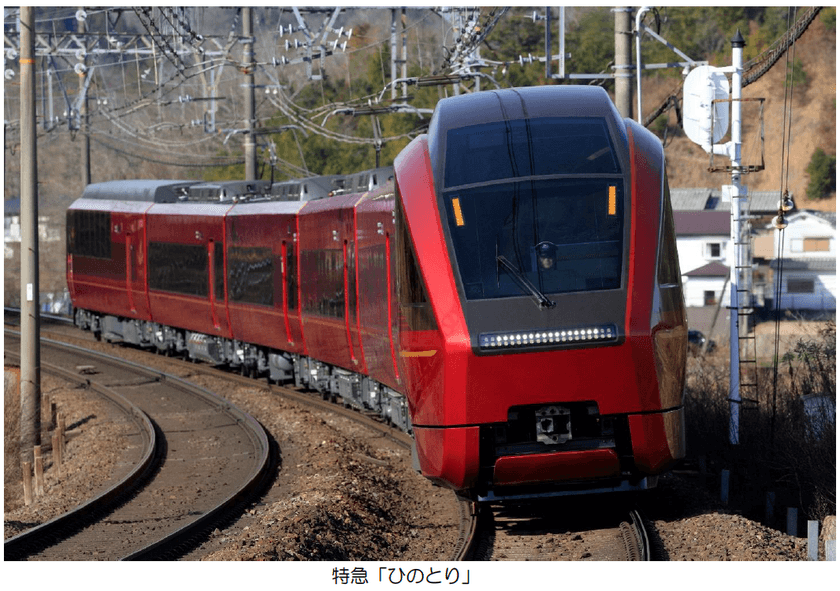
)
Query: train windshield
[
  {"x": 559, "y": 235},
  {"x": 528, "y": 147},
  {"x": 535, "y": 207}
]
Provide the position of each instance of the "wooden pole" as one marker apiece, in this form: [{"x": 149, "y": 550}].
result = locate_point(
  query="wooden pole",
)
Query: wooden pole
[
  {"x": 26, "y": 468},
  {"x": 61, "y": 427},
  {"x": 56, "y": 447},
  {"x": 39, "y": 472}
]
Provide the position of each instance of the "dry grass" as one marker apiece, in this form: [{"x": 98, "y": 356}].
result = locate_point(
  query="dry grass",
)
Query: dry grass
[
  {"x": 781, "y": 448},
  {"x": 11, "y": 434}
]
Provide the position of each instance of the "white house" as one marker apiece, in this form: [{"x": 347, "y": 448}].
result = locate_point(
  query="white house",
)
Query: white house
[
  {"x": 11, "y": 227},
  {"x": 808, "y": 266},
  {"x": 704, "y": 250}
]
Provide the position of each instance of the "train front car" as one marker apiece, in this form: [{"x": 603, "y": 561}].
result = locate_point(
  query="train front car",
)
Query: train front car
[{"x": 543, "y": 329}]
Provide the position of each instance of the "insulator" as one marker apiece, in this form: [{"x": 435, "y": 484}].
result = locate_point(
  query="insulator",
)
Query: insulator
[
  {"x": 80, "y": 68},
  {"x": 81, "y": 15},
  {"x": 9, "y": 74},
  {"x": 81, "y": 53},
  {"x": 779, "y": 222},
  {"x": 11, "y": 54},
  {"x": 786, "y": 204}
]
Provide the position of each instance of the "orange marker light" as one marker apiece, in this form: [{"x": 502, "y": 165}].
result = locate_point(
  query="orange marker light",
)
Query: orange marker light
[
  {"x": 611, "y": 204},
  {"x": 456, "y": 207}
]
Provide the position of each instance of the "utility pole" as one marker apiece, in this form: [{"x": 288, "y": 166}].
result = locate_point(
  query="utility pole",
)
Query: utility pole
[
  {"x": 404, "y": 59},
  {"x": 30, "y": 353},
  {"x": 249, "y": 65},
  {"x": 83, "y": 112},
  {"x": 623, "y": 75},
  {"x": 737, "y": 240},
  {"x": 393, "y": 52}
]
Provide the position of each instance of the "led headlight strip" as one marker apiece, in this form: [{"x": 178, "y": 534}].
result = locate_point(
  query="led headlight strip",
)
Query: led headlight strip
[{"x": 512, "y": 340}]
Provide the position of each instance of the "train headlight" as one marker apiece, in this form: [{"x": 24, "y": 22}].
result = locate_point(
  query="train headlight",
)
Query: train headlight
[{"x": 511, "y": 340}]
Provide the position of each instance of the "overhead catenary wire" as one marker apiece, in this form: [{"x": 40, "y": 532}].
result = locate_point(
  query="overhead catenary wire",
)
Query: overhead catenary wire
[
  {"x": 753, "y": 69},
  {"x": 790, "y": 62}
]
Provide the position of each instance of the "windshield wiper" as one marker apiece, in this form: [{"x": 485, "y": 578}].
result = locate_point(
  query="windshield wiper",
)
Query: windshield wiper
[{"x": 542, "y": 300}]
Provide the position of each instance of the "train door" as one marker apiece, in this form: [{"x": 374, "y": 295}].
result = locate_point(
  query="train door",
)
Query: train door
[
  {"x": 216, "y": 278},
  {"x": 130, "y": 268},
  {"x": 349, "y": 286},
  {"x": 135, "y": 267},
  {"x": 287, "y": 270}
]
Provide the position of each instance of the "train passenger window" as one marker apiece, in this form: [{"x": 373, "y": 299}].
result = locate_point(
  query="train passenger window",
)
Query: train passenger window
[
  {"x": 411, "y": 290},
  {"x": 322, "y": 280},
  {"x": 251, "y": 275},
  {"x": 291, "y": 276},
  {"x": 178, "y": 268},
  {"x": 89, "y": 233},
  {"x": 528, "y": 147}
]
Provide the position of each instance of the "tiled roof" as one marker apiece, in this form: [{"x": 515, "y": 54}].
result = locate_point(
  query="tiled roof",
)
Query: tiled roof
[
  {"x": 713, "y": 269},
  {"x": 699, "y": 199},
  {"x": 689, "y": 199},
  {"x": 698, "y": 223}
]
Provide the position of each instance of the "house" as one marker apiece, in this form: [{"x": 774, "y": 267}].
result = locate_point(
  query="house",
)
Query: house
[
  {"x": 11, "y": 227},
  {"x": 697, "y": 251},
  {"x": 807, "y": 270},
  {"x": 704, "y": 250}
]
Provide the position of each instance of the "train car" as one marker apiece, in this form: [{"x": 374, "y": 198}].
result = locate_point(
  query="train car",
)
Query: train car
[
  {"x": 508, "y": 292},
  {"x": 106, "y": 254},
  {"x": 543, "y": 329}
]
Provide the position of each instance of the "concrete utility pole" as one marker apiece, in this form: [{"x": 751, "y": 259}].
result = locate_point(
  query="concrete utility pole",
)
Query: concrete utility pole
[
  {"x": 30, "y": 353},
  {"x": 393, "y": 53},
  {"x": 404, "y": 57},
  {"x": 623, "y": 74},
  {"x": 737, "y": 263},
  {"x": 249, "y": 65},
  {"x": 83, "y": 112}
]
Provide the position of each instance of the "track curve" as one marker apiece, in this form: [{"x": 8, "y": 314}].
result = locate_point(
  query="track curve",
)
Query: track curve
[{"x": 212, "y": 455}]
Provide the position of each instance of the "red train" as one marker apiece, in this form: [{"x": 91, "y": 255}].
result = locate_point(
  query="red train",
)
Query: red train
[{"x": 509, "y": 292}]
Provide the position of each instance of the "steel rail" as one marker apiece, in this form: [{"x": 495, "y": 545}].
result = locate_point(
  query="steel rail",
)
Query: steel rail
[
  {"x": 34, "y": 540},
  {"x": 170, "y": 544},
  {"x": 468, "y": 512}
]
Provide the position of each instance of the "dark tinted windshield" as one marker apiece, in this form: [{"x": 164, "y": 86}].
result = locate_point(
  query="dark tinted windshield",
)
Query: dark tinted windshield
[
  {"x": 526, "y": 147},
  {"x": 564, "y": 235}
]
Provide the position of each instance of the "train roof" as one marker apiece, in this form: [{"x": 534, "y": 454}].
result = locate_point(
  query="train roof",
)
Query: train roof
[
  {"x": 224, "y": 191},
  {"x": 157, "y": 191},
  {"x": 522, "y": 103}
]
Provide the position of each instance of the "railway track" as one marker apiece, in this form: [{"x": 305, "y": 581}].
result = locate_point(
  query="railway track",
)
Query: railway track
[
  {"x": 206, "y": 457},
  {"x": 61, "y": 328},
  {"x": 576, "y": 530},
  {"x": 513, "y": 532}
]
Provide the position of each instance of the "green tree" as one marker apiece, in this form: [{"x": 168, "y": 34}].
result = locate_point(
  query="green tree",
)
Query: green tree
[{"x": 822, "y": 171}]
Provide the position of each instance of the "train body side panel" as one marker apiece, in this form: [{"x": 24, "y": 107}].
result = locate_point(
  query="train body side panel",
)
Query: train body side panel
[
  {"x": 260, "y": 253},
  {"x": 434, "y": 361},
  {"x": 183, "y": 257},
  {"x": 111, "y": 277},
  {"x": 375, "y": 235},
  {"x": 327, "y": 277}
]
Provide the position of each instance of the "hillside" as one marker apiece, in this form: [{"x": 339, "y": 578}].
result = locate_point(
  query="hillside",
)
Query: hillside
[{"x": 813, "y": 123}]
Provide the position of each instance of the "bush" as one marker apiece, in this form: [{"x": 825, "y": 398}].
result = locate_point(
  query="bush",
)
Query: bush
[
  {"x": 821, "y": 170},
  {"x": 786, "y": 446}
]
